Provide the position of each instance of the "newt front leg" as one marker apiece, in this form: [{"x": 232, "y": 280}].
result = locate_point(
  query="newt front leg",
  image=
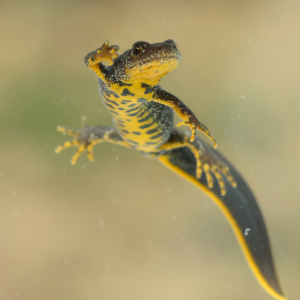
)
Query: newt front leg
[
  {"x": 105, "y": 53},
  {"x": 187, "y": 116},
  {"x": 87, "y": 137}
]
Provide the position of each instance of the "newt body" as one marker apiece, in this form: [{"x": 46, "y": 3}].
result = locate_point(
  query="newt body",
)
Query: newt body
[{"x": 143, "y": 116}]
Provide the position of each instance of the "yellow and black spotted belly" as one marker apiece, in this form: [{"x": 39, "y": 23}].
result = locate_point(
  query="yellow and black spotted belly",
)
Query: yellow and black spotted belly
[
  {"x": 143, "y": 116},
  {"x": 145, "y": 125}
]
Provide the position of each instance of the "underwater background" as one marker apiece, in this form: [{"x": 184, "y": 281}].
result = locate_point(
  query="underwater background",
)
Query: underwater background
[{"x": 124, "y": 227}]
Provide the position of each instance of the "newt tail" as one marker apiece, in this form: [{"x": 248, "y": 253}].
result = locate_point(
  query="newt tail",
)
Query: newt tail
[{"x": 240, "y": 209}]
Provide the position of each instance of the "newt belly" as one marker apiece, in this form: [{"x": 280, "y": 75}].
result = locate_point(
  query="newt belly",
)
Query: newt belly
[{"x": 143, "y": 117}]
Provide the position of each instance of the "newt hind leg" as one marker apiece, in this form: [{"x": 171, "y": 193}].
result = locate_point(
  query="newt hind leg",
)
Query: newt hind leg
[
  {"x": 206, "y": 160},
  {"x": 87, "y": 137}
]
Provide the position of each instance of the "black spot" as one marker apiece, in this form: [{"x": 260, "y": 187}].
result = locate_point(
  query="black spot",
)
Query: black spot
[
  {"x": 121, "y": 83},
  {"x": 127, "y": 93},
  {"x": 142, "y": 113},
  {"x": 132, "y": 105},
  {"x": 108, "y": 105},
  {"x": 124, "y": 102},
  {"x": 150, "y": 143},
  {"x": 145, "y": 119},
  {"x": 132, "y": 142},
  {"x": 121, "y": 108},
  {"x": 108, "y": 92},
  {"x": 148, "y": 88},
  {"x": 121, "y": 125},
  {"x": 147, "y": 125},
  {"x": 128, "y": 120},
  {"x": 135, "y": 113},
  {"x": 115, "y": 94},
  {"x": 136, "y": 132},
  {"x": 157, "y": 136},
  {"x": 113, "y": 112},
  {"x": 125, "y": 131},
  {"x": 142, "y": 100},
  {"x": 132, "y": 109},
  {"x": 113, "y": 102},
  {"x": 152, "y": 130}
]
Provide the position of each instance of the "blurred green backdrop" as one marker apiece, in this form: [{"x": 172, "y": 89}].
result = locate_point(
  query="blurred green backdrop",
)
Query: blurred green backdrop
[{"x": 124, "y": 227}]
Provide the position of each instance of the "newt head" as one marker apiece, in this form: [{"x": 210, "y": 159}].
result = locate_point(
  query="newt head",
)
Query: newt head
[{"x": 147, "y": 63}]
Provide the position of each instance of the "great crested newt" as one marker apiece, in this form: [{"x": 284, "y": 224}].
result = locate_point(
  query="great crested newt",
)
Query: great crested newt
[{"x": 143, "y": 117}]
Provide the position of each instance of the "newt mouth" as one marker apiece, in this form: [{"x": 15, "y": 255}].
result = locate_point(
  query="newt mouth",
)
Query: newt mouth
[{"x": 156, "y": 59}]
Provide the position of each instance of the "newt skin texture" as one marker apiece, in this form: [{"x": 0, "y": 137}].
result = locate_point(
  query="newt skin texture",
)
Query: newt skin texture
[{"x": 143, "y": 117}]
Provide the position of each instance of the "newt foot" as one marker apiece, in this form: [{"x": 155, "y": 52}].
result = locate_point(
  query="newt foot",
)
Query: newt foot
[
  {"x": 219, "y": 169},
  {"x": 105, "y": 53},
  {"x": 83, "y": 141},
  {"x": 194, "y": 124}
]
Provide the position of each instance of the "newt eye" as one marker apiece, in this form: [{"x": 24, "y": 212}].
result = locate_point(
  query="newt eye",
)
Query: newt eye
[{"x": 137, "y": 50}]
